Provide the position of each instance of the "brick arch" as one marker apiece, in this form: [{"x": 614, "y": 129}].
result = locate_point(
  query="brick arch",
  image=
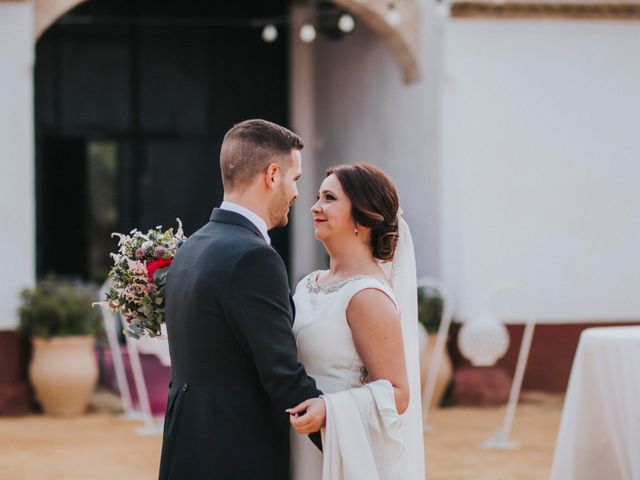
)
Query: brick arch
[
  {"x": 403, "y": 39},
  {"x": 46, "y": 12}
]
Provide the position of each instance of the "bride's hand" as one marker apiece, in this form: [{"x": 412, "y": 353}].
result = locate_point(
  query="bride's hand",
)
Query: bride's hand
[{"x": 313, "y": 418}]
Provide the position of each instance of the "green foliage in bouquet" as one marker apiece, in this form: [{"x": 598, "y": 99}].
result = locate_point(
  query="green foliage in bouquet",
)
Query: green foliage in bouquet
[
  {"x": 430, "y": 307},
  {"x": 138, "y": 278},
  {"x": 56, "y": 308}
]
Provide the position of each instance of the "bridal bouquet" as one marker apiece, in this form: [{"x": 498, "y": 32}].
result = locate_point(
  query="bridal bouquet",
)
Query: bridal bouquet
[{"x": 138, "y": 278}]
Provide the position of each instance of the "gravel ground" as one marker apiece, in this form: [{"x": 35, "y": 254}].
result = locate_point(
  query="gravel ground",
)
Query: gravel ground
[{"x": 101, "y": 446}]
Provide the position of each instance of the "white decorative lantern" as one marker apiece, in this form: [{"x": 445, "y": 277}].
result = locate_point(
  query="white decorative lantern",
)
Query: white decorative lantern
[{"x": 483, "y": 339}]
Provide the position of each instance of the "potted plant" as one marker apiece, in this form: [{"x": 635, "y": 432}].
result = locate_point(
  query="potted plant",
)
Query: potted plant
[
  {"x": 58, "y": 317},
  {"x": 430, "y": 310}
]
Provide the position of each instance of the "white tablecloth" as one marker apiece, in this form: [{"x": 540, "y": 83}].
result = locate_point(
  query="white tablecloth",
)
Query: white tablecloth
[{"x": 599, "y": 436}]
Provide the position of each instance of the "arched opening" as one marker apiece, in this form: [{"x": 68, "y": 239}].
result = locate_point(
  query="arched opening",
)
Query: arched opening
[
  {"x": 401, "y": 34},
  {"x": 132, "y": 99}
]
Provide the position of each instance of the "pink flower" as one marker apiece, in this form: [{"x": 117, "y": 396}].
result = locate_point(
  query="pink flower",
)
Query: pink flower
[
  {"x": 140, "y": 252},
  {"x": 159, "y": 252},
  {"x": 136, "y": 267}
]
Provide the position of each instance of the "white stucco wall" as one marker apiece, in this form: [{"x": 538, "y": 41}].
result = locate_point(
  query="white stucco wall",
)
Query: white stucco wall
[
  {"x": 517, "y": 157},
  {"x": 306, "y": 253},
  {"x": 17, "y": 251},
  {"x": 365, "y": 113},
  {"x": 541, "y": 166}
]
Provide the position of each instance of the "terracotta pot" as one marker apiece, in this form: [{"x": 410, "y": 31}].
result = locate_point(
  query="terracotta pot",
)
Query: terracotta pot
[
  {"x": 445, "y": 371},
  {"x": 64, "y": 373}
]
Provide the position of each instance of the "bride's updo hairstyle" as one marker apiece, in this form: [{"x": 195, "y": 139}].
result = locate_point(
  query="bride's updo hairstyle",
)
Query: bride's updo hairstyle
[{"x": 374, "y": 204}]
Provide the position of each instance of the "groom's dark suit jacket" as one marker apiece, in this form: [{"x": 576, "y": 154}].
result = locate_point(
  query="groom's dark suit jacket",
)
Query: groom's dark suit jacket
[{"x": 233, "y": 357}]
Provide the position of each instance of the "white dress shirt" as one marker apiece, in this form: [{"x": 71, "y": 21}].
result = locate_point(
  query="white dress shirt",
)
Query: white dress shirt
[{"x": 249, "y": 215}]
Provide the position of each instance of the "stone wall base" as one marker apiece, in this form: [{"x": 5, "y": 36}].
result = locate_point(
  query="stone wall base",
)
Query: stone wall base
[{"x": 15, "y": 393}]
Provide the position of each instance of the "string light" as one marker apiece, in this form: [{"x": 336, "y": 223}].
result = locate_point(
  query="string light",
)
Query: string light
[{"x": 331, "y": 22}]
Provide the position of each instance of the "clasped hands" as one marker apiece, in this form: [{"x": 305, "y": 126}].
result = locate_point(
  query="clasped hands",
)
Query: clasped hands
[{"x": 309, "y": 416}]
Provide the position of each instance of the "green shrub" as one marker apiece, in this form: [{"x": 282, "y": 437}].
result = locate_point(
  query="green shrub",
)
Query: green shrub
[
  {"x": 430, "y": 306},
  {"x": 58, "y": 308}
]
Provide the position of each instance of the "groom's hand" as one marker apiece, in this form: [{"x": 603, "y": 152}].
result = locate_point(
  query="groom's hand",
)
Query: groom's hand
[{"x": 309, "y": 416}]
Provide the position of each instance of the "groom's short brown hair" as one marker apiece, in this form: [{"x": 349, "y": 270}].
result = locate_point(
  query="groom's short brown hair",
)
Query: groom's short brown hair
[{"x": 250, "y": 147}]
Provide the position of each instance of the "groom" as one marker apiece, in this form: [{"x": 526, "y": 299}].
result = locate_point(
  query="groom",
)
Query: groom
[{"x": 229, "y": 316}]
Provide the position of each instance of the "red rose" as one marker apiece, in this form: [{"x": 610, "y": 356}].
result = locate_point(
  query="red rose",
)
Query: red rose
[{"x": 154, "y": 265}]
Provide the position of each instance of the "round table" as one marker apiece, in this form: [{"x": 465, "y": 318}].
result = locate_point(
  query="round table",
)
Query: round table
[{"x": 599, "y": 436}]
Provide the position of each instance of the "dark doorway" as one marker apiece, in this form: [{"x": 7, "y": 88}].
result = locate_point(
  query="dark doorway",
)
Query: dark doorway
[{"x": 132, "y": 101}]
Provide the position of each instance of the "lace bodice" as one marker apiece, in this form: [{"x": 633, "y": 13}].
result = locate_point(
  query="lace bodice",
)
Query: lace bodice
[{"x": 324, "y": 339}]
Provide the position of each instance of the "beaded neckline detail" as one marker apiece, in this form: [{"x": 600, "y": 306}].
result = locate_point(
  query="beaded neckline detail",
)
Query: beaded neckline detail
[{"x": 313, "y": 287}]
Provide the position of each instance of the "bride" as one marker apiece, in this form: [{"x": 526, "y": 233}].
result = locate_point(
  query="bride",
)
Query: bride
[{"x": 356, "y": 331}]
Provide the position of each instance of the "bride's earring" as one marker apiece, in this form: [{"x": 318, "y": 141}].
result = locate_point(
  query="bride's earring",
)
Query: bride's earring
[{"x": 355, "y": 230}]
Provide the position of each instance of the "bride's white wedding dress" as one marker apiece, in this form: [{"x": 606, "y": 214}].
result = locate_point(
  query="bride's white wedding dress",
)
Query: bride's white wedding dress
[
  {"x": 326, "y": 349},
  {"x": 365, "y": 438}
]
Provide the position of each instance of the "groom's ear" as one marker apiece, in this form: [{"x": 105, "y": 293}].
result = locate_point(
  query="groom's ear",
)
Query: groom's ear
[{"x": 271, "y": 175}]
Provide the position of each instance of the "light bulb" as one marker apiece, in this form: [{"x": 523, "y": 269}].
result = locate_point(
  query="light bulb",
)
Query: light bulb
[
  {"x": 308, "y": 33},
  {"x": 269, "y": 33},
  {"x": 346, "y": 23},
  {"x": 394, "y": 17},
  {"x": 442, "y": 8}
]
